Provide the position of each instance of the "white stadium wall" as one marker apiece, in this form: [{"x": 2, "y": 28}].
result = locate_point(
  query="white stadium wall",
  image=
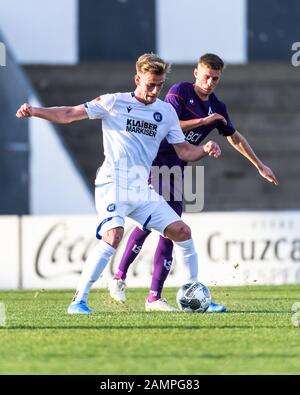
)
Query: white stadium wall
[
  {"x": 10, "y": 252},
  {"x": 233, "y": 249},
  {"x": 41, "y": 32},
  {"x": 56, "y": 185},
  {"x": 197, "y": 27}
]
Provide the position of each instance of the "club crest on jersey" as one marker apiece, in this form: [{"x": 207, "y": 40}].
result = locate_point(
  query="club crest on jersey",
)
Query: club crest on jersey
[
  {"x": 157, "y": 116},
  {"x": 111, "y": 207}
]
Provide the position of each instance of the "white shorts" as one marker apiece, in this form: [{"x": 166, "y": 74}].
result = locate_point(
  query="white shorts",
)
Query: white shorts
[{"x": 147, "y": 208}]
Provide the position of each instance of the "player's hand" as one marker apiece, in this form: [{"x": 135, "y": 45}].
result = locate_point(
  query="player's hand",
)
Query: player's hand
[
  {"x": 212, "y": 149},
  {"x": 267, "y": 173},
  {"x": 215, "y": 117},
  {"x": 25, "y": 111}
]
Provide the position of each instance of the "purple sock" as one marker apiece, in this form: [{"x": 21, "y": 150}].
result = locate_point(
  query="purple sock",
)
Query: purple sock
[
  {"x": 162, "y": 265},
  {"x": 152, "y": 296},
  {"x": 119, "y": 275},
  {"x": 133, "y": 247}
]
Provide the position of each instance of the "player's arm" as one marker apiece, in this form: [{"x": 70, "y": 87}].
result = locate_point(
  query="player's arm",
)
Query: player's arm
[
  {"x": 242, "y": 146},
  {"x": 174, "y": 98},
  {"x": 186, "y": 126},
  {"x": 61, "y": 115},
  {"x": 191, "y": 153}
]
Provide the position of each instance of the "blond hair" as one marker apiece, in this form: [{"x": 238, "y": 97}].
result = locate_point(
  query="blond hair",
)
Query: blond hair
[
  {"x": 212, "y": 61},
  {"x": 152, "y": 63}
]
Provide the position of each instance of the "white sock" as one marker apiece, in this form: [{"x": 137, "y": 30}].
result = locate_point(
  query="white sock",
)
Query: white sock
[
  {"x": 93, "y": 267},
  {"x": 187, "y": 254}
]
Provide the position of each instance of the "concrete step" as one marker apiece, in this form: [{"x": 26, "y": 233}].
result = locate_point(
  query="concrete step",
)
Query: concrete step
[{"x": 260, "y": 89}]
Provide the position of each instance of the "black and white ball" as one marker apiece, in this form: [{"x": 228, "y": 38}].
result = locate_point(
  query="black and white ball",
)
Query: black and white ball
[{"x": 193, "y": 298}]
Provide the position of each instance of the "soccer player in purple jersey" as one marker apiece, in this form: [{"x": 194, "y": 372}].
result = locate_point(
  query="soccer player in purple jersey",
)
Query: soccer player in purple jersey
[{"x": 199, "y": 112}]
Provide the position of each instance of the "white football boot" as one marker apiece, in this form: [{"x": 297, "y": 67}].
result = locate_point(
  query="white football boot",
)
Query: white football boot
[
  {"x": 117, "y": 290},
  {"x": 159, "y": 305}
]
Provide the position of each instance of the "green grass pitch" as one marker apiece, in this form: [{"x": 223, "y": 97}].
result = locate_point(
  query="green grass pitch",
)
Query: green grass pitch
[{"x": 256, "y": 335}]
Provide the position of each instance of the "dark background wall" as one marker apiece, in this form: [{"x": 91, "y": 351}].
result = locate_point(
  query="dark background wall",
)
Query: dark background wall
[
  {"x": 273, "y": 25},
  {"x": 112, "y": 30}
]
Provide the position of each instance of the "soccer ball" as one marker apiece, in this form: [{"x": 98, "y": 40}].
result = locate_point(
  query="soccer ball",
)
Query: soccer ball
[{"x": 193, "y": 298}]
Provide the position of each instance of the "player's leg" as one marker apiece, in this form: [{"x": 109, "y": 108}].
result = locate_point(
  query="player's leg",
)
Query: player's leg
[
  {"x": 162, "y": 265},
  {"x": 166, "y": 221},
  {"x": 181, "y": 234},
  {"x": 93, "y": 267},
  {"x": 133, "y": 248},
  {"x": 163, "y": 259},
  {"x": 117, "y": 286},
  {"x": 157, "y": 214},
  {"x": 109, "y": 232},
  {"x": 187, "y": 254}
]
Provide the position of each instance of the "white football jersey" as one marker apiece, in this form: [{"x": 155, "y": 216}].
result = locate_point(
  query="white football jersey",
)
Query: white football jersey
[{"x": 132, "y": 133}]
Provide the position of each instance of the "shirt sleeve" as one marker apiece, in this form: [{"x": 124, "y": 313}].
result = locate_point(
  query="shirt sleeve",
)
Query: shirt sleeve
[
  {"x": 100, "y": 107},
  {"x": 175, "y": 134},
  {"x": 174, "y": 98},
  {"x": 225, "y": 130}
]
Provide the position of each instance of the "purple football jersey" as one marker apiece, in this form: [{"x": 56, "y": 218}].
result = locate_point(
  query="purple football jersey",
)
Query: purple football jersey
[{"x": 188, "y": 105}]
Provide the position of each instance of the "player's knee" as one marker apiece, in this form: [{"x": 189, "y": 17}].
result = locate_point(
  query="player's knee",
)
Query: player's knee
[
  {"x": 114, "y": 236},
  {"x": 178, "y": 231},
  {"x": 185, "y": 233}
]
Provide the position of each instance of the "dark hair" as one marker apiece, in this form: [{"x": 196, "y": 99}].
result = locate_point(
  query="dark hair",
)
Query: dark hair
[{"x": 212, "y": 61}]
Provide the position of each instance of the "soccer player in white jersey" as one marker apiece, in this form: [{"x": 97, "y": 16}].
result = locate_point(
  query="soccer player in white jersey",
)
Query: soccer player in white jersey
[{"x": 134, "y": 124}]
